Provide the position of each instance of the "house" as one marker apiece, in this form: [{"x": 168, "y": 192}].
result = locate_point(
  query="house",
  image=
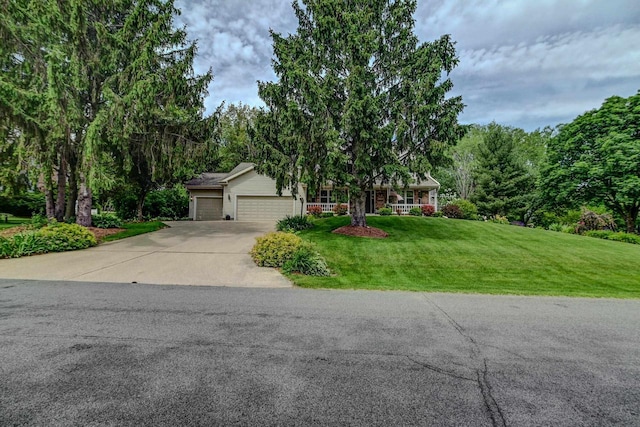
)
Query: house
[
  {"x": 242, "y": 195},
  {"x": 245, "y": 195},
  {"x": 423, "y": 192}
]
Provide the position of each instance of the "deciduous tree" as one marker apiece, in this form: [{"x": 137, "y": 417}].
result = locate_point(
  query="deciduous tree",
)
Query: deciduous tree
[{"x": 596, "y": 158}]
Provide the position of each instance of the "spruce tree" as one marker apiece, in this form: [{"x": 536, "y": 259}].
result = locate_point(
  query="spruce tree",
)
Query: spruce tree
[{"x": 358, "y": 100}]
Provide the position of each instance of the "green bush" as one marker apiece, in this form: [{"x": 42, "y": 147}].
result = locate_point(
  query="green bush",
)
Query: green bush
[
  {"x": 617, "y": 237},
  {"x": 468, "y": 209},
  {"x": 23, "y": 204},
  {"x": 307, "y": 261},
  {"x": 499, "y": 219},
  {"x": 340, "y": 209},
  {"x": 385, "y": 211},
  {"x": 274, "y": 249},
  {"x": 167, "y": 203},
  {"x": 438, "y": 214},
  {"x": 294, "y": 223},
  {"x": 326, "y": 214},
  {"x": 452, "y": 211},
  {"x": 55, "y": 237},
  {"x": 106, "y": 221},
  {"x": 416, "y": 211}
]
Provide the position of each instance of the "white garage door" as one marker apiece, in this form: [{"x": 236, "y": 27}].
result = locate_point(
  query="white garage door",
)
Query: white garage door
[
  {"x": 208, "y": 208},
  {"x": 263, "y": 208}
]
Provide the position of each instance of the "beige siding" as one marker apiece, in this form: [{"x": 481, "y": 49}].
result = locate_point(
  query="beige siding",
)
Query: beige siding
[
  {"x": 253, "y": 184},
  {"x": 263, "y": 208}
]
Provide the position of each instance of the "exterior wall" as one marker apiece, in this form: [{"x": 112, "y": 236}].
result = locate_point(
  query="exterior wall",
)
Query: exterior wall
[
  {"x": 253, "y": 184},
  {"x": 201, "y": 193}
]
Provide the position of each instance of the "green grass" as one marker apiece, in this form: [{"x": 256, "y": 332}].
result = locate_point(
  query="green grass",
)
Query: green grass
[
  {"x": 13, "y": 221},
  {"x": 135, "y": 228},
  {"x": 447, "y": 255}
]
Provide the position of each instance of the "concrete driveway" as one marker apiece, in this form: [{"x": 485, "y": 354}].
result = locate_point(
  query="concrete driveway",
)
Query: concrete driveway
[{"x": 205, "y": 253}]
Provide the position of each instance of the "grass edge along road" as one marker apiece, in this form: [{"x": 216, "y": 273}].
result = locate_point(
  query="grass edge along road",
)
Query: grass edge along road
[{"x": 448, "y": 255}]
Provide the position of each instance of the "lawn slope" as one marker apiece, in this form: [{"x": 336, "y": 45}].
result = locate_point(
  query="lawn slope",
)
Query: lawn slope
[{"x": 445, "y": 255}]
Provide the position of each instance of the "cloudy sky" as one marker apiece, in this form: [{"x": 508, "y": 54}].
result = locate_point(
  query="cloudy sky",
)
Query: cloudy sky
[{"x": 523, "y": 63}]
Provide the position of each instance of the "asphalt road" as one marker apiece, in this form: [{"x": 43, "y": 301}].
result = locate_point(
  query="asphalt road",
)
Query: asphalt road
[{"x": 74, "y": 353}]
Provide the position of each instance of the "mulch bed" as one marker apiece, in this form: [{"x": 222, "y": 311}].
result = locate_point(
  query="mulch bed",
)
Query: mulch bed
[
  {"x": 350, "y": 230},
  {"x": 100, "y": 233}
]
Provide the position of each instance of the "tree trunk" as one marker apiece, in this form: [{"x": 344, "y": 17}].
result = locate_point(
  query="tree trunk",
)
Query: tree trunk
[
  {"x": 62, "y": 188},
  {"x": 630, "y": 221},
  {"x": 84, "y": 203},
  {"x": 70, "y": 210},
  {"x": 357, "y": 202},
  {"x": 140, "y": 205}
]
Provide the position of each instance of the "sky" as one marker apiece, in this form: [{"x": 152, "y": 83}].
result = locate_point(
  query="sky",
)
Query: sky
[{"x": 523, "y": 63}]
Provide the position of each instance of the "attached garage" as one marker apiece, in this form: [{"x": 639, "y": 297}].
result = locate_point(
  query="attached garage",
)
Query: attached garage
[
  {"x": 263, "y": 208},
  {"x": 208, "y": 208}
]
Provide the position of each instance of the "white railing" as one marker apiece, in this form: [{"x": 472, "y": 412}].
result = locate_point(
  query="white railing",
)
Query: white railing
[
  {"x": 326, "y": 207},
  {"x": 403, "y": 208}
]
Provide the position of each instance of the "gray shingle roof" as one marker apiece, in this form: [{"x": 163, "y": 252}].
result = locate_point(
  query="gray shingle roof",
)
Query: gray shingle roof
[{"x": 215, "y": 179}]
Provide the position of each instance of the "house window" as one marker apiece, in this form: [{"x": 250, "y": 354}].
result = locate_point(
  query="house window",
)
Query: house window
[
  {"x": 407, "y": 197},
  {"x": 325, "y": 196}
]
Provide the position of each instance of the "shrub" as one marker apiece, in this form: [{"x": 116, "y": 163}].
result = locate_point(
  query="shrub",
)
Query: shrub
[
  {"x": 385, "y": 211},
  {"x": 438, "y": 214},
  {"x": 326, "y": 215},
  {"x": 499, "y": 219},
  {"x": 38, "y": 221},
  {"x": 23, "y": 204},
  {"x": 274, "y": 249},
  {"x": 590, "y": 220},
  {"x": 617, "y": 237},
  {"x": 468, "y": 209},
  {"x": 340, "y": 209},
  {"x": 315, "y": 211},
  {"x": 294, "y": 223},
  {"x": 307, "y": 261},
  {"x": 427, "y": 210},
  {"x": 106, "y": 221},
  {"x": 555, "y": 227},
  {"x": 55, "y": 237},
  {"x": 452, "y": 211},
  {"x": 415, "y": 211},
  {"x": 167, "y": 203}
]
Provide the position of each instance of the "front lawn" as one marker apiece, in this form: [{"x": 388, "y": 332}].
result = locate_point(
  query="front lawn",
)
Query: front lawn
[
  {"x": 447, "y": 255},
  {"x": 12, "y": 221},
  {"x": 133, "y": 229}
]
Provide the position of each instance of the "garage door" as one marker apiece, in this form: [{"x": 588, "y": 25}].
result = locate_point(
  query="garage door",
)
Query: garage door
[
  {"x": 265, "y": 208},
  {"x": 208, "y": 208}
]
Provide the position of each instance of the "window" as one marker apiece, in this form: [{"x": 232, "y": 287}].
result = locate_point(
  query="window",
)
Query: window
[
  {"x": 325, "y": 196},
  {"x": 407, "y": 197}
]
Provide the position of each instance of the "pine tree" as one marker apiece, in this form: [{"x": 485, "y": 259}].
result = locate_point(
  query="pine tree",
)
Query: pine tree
[{"x": 357, "y": 100}]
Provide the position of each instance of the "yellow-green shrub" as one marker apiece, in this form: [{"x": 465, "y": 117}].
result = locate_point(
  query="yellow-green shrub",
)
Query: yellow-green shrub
[{"x": 274, "y": 249}]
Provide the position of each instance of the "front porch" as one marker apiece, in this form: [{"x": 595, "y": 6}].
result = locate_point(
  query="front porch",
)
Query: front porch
[{"x": 400, "y": 202}]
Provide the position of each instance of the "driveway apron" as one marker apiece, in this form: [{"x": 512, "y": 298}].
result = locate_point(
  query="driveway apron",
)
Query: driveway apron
[{"x": 201, "y": 253}]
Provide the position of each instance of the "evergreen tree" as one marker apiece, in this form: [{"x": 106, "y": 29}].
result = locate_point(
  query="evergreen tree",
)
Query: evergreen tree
[
  {"x": 357, "y": 100},
  {"x": 503, "y": 184}
]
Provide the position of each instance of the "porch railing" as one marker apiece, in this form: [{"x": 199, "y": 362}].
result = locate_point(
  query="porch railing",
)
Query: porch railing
[
  {"x": 403, "y": 208},
  {"x": 326, "y": 207}
]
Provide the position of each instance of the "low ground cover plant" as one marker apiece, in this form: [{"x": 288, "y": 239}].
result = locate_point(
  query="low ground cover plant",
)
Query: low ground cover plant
[
  {"x": 293, "y": 223},
  {"x": 53, "y": 237},
  {"x": 106, "y": 220},
  {"x": 616, "y": 237}
]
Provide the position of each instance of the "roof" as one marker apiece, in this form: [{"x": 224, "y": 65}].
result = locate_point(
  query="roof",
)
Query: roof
[{"x": 209, "y": 180}]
